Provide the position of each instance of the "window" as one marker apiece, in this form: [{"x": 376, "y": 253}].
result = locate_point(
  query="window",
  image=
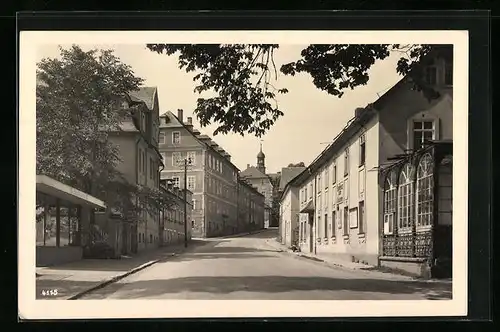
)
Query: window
[
  {"x": 176, "y": 158},
  {"x": 346, "y": 220},
  {"x": 161, "y": 139},
  {"x": 334, "y": 173},
  {"x": 144, "y": 161},
  {"x": 405, "y": 198},
  {"x": 176, "y": 137},
  {"x": 143, "y": 121},
  {"x": 140, "y": 160},
  {"x": 334, "y": 219},
  {"x": 425, "y": 188},
  {"x": 448, "y": 73},
  {"x": 319, "y": 224},
  {"x": 310, "y": 190},
  {"x": 422, "y": 131},
  {"x": 389, "y": 203},
  {"x": 326, "y": 225},
  {"x": 176, "y": 181},
  {"x": 305, "y": 194},
  {"x": 192, "y": 157},
  {"x": 150, "y": 238},
  {"x": 362, "y": 150},
  {"x": 191, "y": 182},
  {"x": 361, "y": 216},
  {"x": 346, "y": 162},
  {"x": 430, "y": 75},
  {"x": 150, "y": 168},
  {"x": 194, "y": 204},
  {"x": 327, "y": 183}
]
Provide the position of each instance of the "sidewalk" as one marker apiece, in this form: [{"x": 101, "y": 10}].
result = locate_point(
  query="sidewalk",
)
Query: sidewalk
[
  {"x": 240, "y": 234},
  {"x": 339, "y": 263},
  {"x": 72, "y": 280}
]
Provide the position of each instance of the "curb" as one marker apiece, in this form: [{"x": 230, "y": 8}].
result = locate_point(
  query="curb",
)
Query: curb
[
  {"x": 337, "y": 265},
  {"x": 113, "y": 280},
  {"x": 124, "y": 275},
  {"x": 239, "y": 235}
]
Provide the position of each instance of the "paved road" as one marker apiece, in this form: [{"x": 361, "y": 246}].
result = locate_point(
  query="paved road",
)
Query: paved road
[{"x": 248, "y": 268}]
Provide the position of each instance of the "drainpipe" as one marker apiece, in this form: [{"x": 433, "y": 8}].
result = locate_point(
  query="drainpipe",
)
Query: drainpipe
[
  {"x": 136, "y": 228},
  {"x": 161, "y": 226},
  {"x": 314, "y": 215},
  {"x": 237, "y": 202}
]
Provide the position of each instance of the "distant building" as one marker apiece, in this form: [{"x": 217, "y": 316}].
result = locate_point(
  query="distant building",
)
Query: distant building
[
  {"x": 172, "y": 220},
  {"x": 288, "y": 206},
  {"x": 380, "y": 193},
  {"x": 257, "y": 177},
  {"x": 250, "y": 208},
  {"x": 211, "y": 176}
]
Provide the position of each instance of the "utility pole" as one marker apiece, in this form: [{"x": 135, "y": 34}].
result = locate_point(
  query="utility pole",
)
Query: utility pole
[{"x": 185, "y": 204}]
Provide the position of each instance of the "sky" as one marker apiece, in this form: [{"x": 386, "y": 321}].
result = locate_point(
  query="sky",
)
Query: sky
[{"x": 311, "y": 119}]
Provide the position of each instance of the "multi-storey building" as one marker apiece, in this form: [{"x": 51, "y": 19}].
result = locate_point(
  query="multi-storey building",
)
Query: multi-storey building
[
  {"x": 211, "y": 176},
  {"x": 258, "y": 178},
  {"x": 380, "y": 193},
  {"x": 250, "y": 207},
  {"x": 172, "y": 219},
  {"x": 137, "y": 143}
]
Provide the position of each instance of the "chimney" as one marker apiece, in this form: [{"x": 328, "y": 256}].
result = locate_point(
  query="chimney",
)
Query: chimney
[
  {"x": 248, "y": 165},
  {"x": 190, "y": 120},
  {"x": 358, "y": 111},
  {"x": 180, "y": 115}
]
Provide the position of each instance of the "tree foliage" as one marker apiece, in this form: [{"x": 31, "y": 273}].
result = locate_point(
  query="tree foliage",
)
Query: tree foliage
[
  {"x": 242, "y": 77},
  {"x": 79, "y": 98},
  {"x": 301, "y": 164}
]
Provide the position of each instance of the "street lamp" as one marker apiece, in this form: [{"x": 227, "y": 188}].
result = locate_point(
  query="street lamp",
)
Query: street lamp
[{"x": 185, "y": 162}]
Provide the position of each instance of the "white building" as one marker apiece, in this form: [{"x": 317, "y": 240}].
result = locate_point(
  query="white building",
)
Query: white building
[{"x": 380, "y": 193}]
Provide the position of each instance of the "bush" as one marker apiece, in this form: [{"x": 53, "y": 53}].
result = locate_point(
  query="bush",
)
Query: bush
[{"x": 100, "y": 250}]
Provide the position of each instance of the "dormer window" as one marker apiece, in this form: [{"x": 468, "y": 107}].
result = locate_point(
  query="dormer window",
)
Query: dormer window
[
  {"x": 448, "y": 74},
  {"x": 430, "y": 75}
]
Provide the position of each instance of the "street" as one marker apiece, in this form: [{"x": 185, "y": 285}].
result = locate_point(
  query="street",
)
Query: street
[{"x": 248, "y": 268}]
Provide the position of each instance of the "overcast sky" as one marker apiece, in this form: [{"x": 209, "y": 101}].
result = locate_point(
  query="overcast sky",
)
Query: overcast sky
[{"x": 311, "y": 117}]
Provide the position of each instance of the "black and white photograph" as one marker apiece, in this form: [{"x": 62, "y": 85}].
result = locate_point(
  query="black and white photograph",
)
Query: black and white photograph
[{"x": 221, "y": 167}]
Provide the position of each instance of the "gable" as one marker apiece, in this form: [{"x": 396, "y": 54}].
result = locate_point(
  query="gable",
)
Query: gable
[{"x": 252, "y": 172}]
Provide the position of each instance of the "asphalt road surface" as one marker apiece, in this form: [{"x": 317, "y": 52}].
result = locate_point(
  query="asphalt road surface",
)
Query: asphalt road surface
[{"x": 248, "y": 268}]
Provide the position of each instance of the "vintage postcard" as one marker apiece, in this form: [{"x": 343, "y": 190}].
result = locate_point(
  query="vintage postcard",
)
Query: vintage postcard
[{"x": 242, "y": 174}]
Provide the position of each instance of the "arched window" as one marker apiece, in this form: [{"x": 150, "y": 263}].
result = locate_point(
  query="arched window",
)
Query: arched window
[
  {"x": 389, "y": 202},
  {"x": 405, "y": 199},
  {"x": 425, "y": 191}
]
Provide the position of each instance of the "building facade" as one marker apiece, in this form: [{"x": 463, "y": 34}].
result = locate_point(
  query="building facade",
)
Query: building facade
[
  {"x": 211, "y": 176},
  {"x": 250, "y": 208},
  {"x": 172, "y": 220},
  {"x": 258, "y": 178},
  {"x": 137, "y": 143},
  {"x": 289, "y": 217},
  {"x": 375, "y": 194}
]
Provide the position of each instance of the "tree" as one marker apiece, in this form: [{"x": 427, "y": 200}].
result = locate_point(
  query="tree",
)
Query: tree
[
  {"x": 241, "y": 77},
  {"x": 301, "y": 164},
  {"x": 79, "y": 100}
]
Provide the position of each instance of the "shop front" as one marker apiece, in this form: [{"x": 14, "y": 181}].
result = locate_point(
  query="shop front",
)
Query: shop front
[
  {"x": 417, "y": 212},
  {"x": 62, "y": 221}
]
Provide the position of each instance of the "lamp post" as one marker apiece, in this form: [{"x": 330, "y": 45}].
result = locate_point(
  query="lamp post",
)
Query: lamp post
[{"x": 186, "y": 162}]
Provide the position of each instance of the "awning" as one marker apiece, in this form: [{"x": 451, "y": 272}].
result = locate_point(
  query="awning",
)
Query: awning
[
  {"x": 309, "y": 208},
  {"x": 54, "y": 188}
]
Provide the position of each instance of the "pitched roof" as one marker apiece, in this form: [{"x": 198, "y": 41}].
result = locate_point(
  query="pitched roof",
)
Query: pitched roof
[
  {"x": 252, "y": 172},
  {"x": 146, "y": 94},
  {"x": 288, "y": 174}
]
